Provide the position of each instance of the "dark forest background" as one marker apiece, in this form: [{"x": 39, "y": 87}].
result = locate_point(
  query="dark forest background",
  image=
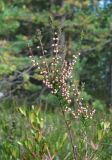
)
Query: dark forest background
[{"x": 86, "y": 28}]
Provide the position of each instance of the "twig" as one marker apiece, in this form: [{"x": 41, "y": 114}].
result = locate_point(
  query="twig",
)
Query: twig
[
  {"x": 70, "y": 137},
  {"x": 50, "y": 158}
]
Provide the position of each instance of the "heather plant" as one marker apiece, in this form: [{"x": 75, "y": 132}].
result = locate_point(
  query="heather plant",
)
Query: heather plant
[
  {"x": 42, "y": 135},
  {"x": 57, "y": 76}
]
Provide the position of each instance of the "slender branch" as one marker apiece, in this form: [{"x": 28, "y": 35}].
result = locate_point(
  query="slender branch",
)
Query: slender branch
[
  {"x": 50, "y": 157},
  {"x": 70, "y": 137}
]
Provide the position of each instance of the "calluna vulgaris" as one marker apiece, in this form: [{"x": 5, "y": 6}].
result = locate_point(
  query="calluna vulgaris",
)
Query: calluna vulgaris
[{"x": 57, "y": 76}]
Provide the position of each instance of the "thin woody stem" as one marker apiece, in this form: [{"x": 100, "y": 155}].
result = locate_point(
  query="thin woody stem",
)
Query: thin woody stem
[{"x": 70, "y": 136}]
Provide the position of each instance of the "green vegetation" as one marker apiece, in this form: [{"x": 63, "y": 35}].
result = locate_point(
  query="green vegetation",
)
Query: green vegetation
[
  {"x": 32, "y": 124},
  {"x": 34, "y": 134}
]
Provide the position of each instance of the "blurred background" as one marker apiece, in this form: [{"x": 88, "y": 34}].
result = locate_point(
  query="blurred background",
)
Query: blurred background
[{"x": 86, "y": 27}]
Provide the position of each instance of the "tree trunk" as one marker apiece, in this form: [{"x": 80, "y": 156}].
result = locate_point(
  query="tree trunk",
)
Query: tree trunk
[
  {"x": 61, "y": 18},
  {"x": 111, "y": 84}
]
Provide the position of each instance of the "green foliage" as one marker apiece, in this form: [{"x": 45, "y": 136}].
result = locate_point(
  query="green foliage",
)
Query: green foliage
[{"x": 33, "y": 134}]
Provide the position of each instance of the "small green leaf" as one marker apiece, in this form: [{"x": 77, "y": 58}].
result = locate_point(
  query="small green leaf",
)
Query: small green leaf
[{"x": 22, "y": 112}]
